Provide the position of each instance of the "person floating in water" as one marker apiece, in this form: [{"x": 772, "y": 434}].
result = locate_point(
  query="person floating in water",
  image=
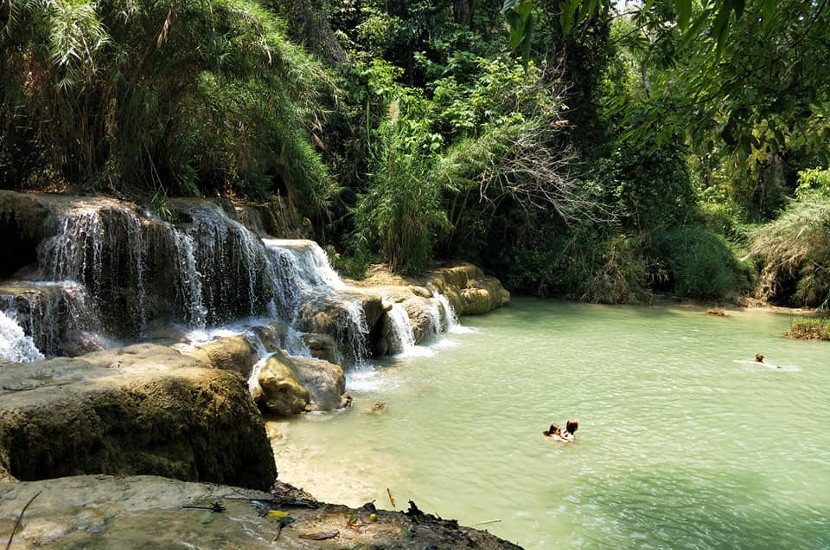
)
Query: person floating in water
[
  {"x": 570, "y": 429},
  {"x": 759, "y": 358},
  {"x": 554, "y": 432}
]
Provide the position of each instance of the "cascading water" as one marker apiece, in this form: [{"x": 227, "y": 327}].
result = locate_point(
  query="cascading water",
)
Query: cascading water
[
  {"x": 404, "y": 336},
  {"x": 352, "y": 331},
  {"x": 56, "y": 315},
  {"x": 434, "y": 311},
  {"x": 306, "y": 276},
  {"x": 450, "y": 318},
  {"x": 234, "y": 265},
  {"x": 15, "y": 346},
  {"x": 101, "y": 248},
  {"x": 109, "y": 269}
]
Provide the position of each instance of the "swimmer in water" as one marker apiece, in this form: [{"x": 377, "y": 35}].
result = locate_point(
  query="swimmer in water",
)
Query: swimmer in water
[
  {"x": 759, "y": 358},
  {"x": 554, "y": 432},
  {"x": 570, "y": 429}
]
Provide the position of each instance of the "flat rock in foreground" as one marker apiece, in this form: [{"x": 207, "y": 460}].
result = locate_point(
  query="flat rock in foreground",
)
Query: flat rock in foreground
[{"x": 101, "y": 512}]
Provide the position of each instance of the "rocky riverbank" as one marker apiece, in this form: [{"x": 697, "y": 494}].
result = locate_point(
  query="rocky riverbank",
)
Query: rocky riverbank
[
  {"x": 102, "y": 512},
  {"x": 81, "y": 273}
]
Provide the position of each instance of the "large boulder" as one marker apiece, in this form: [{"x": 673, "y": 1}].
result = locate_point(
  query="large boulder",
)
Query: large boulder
[
  {"x": 282, "y": 394},
  {"x": 230, "y": 353},
  {"x": 144, "y": 409},
  {"x": 325, "y": 382},
  {"x": 290, "y": 385}
]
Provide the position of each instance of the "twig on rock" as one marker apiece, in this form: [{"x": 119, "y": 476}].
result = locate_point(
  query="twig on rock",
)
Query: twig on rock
[{"x": 20, "y": 519}]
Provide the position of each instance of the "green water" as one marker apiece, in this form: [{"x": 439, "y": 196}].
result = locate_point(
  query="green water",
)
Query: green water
[{"x": 684, "y": 442}]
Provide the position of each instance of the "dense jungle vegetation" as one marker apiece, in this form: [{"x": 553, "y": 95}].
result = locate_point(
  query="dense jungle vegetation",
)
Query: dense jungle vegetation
[{"x": 574, "y": 148}]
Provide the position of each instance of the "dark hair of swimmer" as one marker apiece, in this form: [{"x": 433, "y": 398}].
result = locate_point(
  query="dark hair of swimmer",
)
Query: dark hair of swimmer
[
  {"x": 759, "y": 358},
  {"x": 554, "y": 428},
  {"x": 572, "y": 425}
]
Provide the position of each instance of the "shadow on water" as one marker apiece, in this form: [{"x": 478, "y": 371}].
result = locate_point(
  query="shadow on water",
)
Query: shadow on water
[
  {"x": 698, "y": 510},
  {"x": 527, "y": 308}
]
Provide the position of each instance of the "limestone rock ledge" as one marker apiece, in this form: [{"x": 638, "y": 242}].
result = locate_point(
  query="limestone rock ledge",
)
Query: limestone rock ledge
[
  {"x": 469, "y": 291},
  {"x": 464, "y": 285},
  {"x": 101, "y": 512},
  {"x": 144, "y": 409}
]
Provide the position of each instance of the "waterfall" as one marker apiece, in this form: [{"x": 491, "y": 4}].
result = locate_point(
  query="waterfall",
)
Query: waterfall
[
  {"x": 308, "y": 263},
  {"x": 188, "y": 280},
  {"x": 57, "y": 316},
  {"x": 110, "y": 271},
  {"x": 434, "y": 311},
  {"x": 101, "y": 248},
  {"x": 15, "y": 346},
  {"x": 404, "y": 337},
  {"x": 352, "y": 331},
  {"x": 233, "y": 263},
  {"x": 450, "y": 318}
]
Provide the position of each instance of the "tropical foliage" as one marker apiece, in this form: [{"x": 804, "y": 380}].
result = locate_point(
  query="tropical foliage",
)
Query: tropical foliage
[
  {"x": 574, "y": 148},
  {"x": 184, "y": 96}
]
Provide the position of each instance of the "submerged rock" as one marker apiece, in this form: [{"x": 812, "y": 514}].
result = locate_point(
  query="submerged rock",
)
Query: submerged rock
[
  {"x": 144, "y": 409},
  {"x": 101, "y": 512}
]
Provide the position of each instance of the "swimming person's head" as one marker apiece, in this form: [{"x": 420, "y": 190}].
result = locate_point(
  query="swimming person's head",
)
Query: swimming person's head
[
  {"x": 554, "y": 429},
  {"x": 759, "y": 358},
  {"x": 572, "y": 425}
]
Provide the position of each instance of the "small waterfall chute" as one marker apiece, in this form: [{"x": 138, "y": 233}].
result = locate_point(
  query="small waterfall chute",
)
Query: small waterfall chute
[
  {"x": 15, "y": 346},
  {"x": 402, "y": 334},
  {"x": 58, "y": 315},
  {"x": 450, "y": 317}
]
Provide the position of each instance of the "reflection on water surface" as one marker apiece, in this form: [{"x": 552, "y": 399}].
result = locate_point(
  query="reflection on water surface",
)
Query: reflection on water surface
[{"x": 684, "y": 441}]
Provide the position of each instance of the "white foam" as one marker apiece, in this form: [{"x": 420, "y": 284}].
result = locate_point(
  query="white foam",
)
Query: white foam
[{"x": 15, "y": 346}]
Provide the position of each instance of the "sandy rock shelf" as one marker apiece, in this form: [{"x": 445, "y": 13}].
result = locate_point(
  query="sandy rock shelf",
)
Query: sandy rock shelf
[{"x": 102, "y": 512}]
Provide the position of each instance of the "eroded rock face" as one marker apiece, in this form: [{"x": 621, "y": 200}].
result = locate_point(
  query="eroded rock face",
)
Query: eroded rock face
[
  {"x": 144, "y": 409},
  {"x": 468, "y": 290},
  {"x": 348, "y": 319},
  {"x": 22, "y": 224},
  {"x": 282, "y": 393},
  {"x": 325, "y": 382},
  {"x": 321, "y": 346},
  {"x": 102, "y": 513}
]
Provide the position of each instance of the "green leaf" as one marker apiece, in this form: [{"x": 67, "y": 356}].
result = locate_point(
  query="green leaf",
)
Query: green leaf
[
  {"x": 569, "y": 8},
  {"x": 768, "y": 11},
  {"x": 207, "y": 517},
  {"x": 684, "y": 12},
  {"x": 694, "y": 31}
]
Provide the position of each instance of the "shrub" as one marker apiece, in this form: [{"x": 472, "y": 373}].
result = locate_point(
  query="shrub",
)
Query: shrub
[
  {"x": 809, "y": 328},
  {"x": 794, "y": 252},
  {"x": 194, "y": 96},
  {"x": 699, "y": 263},
  {"x": 584, "y": 264},
  {"x": 813, "y": 181}
]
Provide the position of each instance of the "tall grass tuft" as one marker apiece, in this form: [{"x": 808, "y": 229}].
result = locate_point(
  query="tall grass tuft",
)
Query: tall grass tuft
[
  {"x": 809, "y": 328},
  {"x": 192, "y": 96},
  {"x": 794, "y": 252}
]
